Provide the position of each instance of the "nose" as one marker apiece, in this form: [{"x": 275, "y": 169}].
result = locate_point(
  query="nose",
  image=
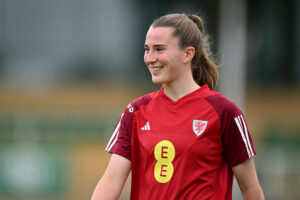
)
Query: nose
[{"x": 149, "y": 58}]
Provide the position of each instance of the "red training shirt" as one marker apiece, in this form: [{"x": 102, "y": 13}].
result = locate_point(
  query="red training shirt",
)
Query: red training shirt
[{"x": 182, "y": 149}]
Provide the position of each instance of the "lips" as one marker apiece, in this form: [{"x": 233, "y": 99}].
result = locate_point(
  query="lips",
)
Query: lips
[{"x": 156, "y": 69}]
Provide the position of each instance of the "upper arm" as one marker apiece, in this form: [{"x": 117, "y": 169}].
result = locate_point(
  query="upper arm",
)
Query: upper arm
[
  {"x": 118, "y": 168},
  {"x": 113, "y": 179},
  {"x": 245, "y": 173},
  {"x": 246, "y": 177}
]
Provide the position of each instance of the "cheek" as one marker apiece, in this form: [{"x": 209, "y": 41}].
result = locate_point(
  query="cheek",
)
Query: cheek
[
  {"x": 176, "y": 65},
  {"x": 176, "y": 59}
]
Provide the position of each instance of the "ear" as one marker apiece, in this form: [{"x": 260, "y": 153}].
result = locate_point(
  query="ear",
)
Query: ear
[{"x": 189, "y": 54}]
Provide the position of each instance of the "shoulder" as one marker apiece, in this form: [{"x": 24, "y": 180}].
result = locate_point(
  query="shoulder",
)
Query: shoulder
[
  {"x": 223, "y": 105},
  {"x": 141, "y": 101}
]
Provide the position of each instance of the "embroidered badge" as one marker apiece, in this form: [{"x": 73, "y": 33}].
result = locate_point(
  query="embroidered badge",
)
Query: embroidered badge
[{"x": 199, "y": 126}]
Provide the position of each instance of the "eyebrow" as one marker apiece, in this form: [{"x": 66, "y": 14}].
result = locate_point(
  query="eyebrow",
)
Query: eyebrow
[{"x": 156, "y": 45}]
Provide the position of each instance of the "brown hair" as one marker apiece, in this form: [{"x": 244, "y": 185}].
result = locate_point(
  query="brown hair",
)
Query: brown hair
[{"x": 190, "y": 31}]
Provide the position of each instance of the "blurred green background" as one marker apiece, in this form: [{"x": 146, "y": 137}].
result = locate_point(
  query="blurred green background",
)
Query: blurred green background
[{"x": 68, "y": 68}]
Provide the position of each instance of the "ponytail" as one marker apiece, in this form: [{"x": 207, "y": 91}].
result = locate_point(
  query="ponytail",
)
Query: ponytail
[
  {"x": 204, "y": 68},
  {"x": 206, "y": 72}
]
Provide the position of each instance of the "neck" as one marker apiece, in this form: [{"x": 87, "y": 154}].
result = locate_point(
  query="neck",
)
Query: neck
[{"x": 178, "y": 89}]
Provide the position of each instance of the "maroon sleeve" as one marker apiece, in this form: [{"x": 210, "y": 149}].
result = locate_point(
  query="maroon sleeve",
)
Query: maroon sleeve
[
  {"x": 237, "y": 142},
  {"x": 120, "y": 141}
]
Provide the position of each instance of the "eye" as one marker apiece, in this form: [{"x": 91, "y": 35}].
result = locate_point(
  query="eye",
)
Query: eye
[
  {"x": 159, "y": 49},
  {"x": 146, "y": 49}
]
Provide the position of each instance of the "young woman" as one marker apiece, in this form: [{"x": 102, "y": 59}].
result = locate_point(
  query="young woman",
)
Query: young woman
[{"x": 184, "y": 141}]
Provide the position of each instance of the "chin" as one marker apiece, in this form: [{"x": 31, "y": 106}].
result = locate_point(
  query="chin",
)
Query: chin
[{"x": 157, "y": 81}]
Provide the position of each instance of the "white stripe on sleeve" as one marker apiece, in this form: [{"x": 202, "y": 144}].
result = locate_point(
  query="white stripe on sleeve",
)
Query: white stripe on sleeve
[
  {"x": 247, "y": 136},
  {"x": 238, "y": 123},
  {"x": 113, "y": 143},
  {"x": 114, "y": 136}
]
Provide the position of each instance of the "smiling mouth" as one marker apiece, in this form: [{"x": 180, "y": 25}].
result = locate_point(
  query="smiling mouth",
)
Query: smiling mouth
[{"x": 156, "y": 69}]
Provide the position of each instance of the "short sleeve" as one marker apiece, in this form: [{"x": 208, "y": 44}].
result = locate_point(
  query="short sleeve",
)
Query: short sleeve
[
  {"x": 236, "y": 139},
  {"x": 120, "y": 141},
  {"x": 237, "y": 142}
]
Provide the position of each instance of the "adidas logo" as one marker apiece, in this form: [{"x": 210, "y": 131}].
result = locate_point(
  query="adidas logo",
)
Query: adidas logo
[{"x": 146, "y": 127}]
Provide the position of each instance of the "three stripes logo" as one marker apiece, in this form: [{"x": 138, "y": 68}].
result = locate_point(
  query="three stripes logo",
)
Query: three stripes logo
[
  {"x": 146, "y": 127},
  {"x": 240, "y": 122}
]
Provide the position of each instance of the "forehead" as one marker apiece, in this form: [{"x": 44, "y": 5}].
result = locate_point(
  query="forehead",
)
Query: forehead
[{"x": 160, "y": 35}]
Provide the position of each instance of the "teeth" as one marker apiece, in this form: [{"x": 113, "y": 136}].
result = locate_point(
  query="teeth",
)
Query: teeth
[{"x": 156, "y": 68}]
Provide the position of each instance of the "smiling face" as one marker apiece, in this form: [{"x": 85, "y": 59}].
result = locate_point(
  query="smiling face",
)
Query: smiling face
[{"x": 163, "y": 56}]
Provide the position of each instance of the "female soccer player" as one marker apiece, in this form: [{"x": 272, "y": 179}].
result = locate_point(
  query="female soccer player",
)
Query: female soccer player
[{"x": 184, "y": 141}]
